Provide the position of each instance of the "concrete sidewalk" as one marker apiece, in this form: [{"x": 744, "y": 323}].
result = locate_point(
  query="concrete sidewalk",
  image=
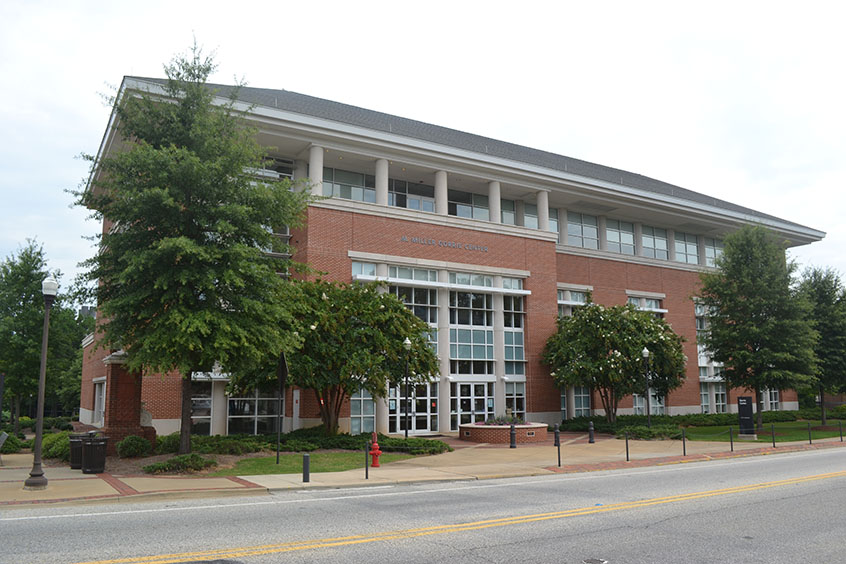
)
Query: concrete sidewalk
[{"x": 467, "y": 462}]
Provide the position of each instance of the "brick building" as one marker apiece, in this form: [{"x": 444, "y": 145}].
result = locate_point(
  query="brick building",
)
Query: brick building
[{"x": 485, "y": 240}]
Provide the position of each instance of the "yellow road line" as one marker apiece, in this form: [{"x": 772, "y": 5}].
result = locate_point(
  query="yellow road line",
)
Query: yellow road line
[{"x": 240, "y": 552}]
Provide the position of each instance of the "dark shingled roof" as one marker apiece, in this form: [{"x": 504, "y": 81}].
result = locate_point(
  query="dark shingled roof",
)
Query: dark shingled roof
[{"x": 387, "y": 123}]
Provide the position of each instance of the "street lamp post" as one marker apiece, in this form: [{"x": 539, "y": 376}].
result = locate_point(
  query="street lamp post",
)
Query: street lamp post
[
  {"x": 36, "y": 480},
  {"x": 645, "y": 353},
  {"x": 407, "y": 345}
]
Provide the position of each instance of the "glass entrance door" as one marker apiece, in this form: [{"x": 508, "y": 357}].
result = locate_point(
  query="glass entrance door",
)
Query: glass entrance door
[
  {"x": 470, "y": 403},
  {"x": 422, "y": 409}
]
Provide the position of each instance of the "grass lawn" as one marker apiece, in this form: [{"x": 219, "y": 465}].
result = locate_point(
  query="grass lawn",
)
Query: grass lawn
[
  {"x": 784, "y": 432},
  {"x": 292, "y": 463}
]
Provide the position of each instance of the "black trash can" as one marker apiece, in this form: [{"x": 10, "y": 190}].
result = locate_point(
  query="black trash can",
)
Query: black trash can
[
  {"x": 76, "y": 450},
  {"x": 94, "y": 454}
]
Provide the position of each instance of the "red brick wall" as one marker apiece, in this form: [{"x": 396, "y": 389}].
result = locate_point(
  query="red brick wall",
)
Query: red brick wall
[{"x": 162, "y": 395}]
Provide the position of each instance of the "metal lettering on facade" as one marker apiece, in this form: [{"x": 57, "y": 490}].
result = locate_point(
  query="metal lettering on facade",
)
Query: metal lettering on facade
[{"x": 446, "y": 244}]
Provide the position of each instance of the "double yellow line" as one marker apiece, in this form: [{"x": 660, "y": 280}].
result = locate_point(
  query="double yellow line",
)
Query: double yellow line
[{"x": 240, "y": 552}]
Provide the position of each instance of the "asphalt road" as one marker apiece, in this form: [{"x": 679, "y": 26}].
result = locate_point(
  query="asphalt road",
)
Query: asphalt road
[{"x": 773, "y": 509}]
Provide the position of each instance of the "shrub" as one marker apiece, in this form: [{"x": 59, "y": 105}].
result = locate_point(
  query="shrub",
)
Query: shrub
[
  {"x": 56, "y": 445},
  {"x": 642, "y": 432},
  {"x": 413, "y": 445},
  {"x": 167, "y": 444},
  {"x": 503, "y": 420},
  {"x": 12, "y": 445},
  {"x": 133, "y": 446},
  {"x": 58, "y": 423},
  {"x": 297, "y": 445},
  {"x": 184, "y": 463}
]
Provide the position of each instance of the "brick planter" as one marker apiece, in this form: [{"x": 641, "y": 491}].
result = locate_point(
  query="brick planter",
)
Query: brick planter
[{"x": 501, "y": 434}]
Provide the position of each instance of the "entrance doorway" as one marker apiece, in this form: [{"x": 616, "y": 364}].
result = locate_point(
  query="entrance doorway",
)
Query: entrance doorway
[{"x": 422, "y": 409}]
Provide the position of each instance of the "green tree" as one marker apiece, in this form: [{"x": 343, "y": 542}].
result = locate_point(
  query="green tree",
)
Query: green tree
[
  {"x": 184, "y": 281},
  {"x": 352, "y": 339},
  {"x": 601, "y": 348},
  {"x": 826, "y": 295},
  {"x": 758, "y": 323},
  {"x": 21, "y": 325}
]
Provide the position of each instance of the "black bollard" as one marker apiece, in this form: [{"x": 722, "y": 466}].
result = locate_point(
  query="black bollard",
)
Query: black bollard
[
  {"x": 590, "y": 433},
  {"x": 684, "y": 443},
  {"x": 841, "y": 430},
  {"x": 306, "y": 468},
  {"x": 558, "y": 443},
  {"x": 731, "y": 438},
  {"x": 513, "y": 436},
  {"x": 367, "y": 461},
  {"x": 810, "y": 442},
  {"x": 627, "y": 446},
  {"x": 772, "y": 430}
]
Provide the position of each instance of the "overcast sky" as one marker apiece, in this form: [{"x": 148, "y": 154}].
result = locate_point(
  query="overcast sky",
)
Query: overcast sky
[{"x": 743, "y": 101}]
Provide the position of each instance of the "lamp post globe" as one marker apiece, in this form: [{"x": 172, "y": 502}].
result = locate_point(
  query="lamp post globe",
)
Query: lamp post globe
[
  {"x": 37, "y": 480},
  {"x": 645, "y": 354},
  {"x": 407, "y": 346}
]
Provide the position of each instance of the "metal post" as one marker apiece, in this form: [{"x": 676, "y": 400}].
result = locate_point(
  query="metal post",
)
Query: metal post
[
  {"x": 367, "y": 461},
  {"x": 282, "y": 378},
  {"x": 840, "y": 424},
  {"x": 684, "y": 443},
  {"x": 591, "y": 439},
  {"x": 772, "y": 430},
  {"x": 406, "y": 394},
  {"x": 558, "y": 443},
  {"x": 513, "y": 437},
  {"x": 306, "y": 468},
  {"x": 627, "y": 446},
  {"x": 731, "y": 438},
  {"x": 810, "y": 442},
  {"x": 37, "y": 480}
]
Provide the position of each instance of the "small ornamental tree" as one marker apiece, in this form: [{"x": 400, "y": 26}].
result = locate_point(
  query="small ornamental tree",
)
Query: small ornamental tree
[
  {"x": 759, "y": 327},
  {"x": 184, "y": 281},
  {"x": 601, "y": 348},
  {"x": 352, "y": 339},
  {"x": 827, "y": 299}
]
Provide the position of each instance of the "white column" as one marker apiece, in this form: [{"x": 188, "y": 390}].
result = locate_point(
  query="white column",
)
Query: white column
[
  {"x": 381, "y": 415},
  {"x": 382, "y": 182},
  {"x": 543, "y": 210},
  {"x": 562, "y": 226},
  {"x": 601, "y": 224},
  {"x": 499, "y": 351},
  {"x": 494, "y": 202},
  {"x": 700, "y": 249},
  {"x": 315, "y": 169},
  {"x": 441, "y": 199},
  {"x": 300, "y": 170},
  {"x": 443, "y": 353},
  {"x": 638, "y": 236}
]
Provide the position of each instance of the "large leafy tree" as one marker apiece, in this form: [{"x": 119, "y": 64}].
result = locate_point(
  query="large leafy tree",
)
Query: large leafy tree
[
  {"x": 184, "y": 279},
  {"x": 759, "y": 327},
  {"x": 21, "y": 325},
  {"x": 826, "y": 295},
  {"x": 352, "y": 339},
  {"x": 601, "y": 348}
]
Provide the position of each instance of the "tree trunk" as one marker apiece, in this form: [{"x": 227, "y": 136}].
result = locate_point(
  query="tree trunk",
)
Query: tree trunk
[
  {"x": 185, "y": 425},
  {"x": 759, "y": 406},
  {"x": 822, "y": 404},
  {"x": 17, "y": 413}
]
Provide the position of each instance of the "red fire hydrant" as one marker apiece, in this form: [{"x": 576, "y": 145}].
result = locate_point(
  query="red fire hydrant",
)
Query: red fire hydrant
[{"x": 375, "y": 452}]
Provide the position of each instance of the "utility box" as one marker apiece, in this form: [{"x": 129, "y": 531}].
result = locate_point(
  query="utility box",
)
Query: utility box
[{"x": 746, "y": 415}]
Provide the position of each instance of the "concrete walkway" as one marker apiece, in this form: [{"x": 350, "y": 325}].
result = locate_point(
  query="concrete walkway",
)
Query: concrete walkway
[{"x": 467, "y": 462}]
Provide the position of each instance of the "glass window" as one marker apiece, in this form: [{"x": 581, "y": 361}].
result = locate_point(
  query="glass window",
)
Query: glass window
[
  {"x": 620, "y": 236},
  {"x": 470, "y": 402},
  {"x": 467, "y": 204},
  {"x": 564, "y": 403},
  {"x": 362, "y": 413},
  {"x": 719, "y": 397},
  {"x": 654, "y": 242},
  {"x": 713, "y": 250},
  {"x": 773, "y": 403},
  {"x": 569, "y": 299},
  {"x": 515, "y": 400},
  {"x": 409, "y": 195},
  {"x": 509, "y": 215},
  {"x": 704, "y": 397},
  {"x": 530, "y": 216},
  {"x": 201, "y": 407},
  {"x": 408, "y": 273},
  {"x": 252, "y": 414},
  {"x": 349, "y": 185},
  {"x": 687, "y": 248},
  {"x": 581, "y": 395},
  {"x": 467, "y": 279},
  {"x": 553, "y": 222},
  {"x": 363, "y": 268},
  {"x": 582, "y": 230}
]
